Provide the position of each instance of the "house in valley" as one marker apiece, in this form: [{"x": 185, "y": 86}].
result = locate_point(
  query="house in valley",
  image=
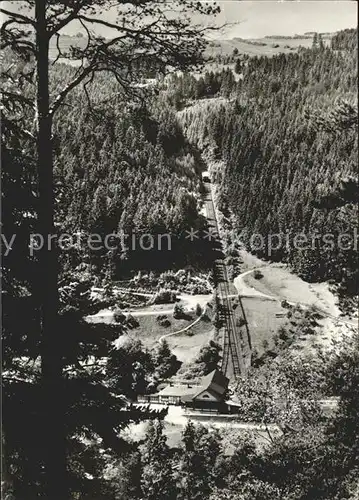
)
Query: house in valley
[{"x": 208, "y": 394}]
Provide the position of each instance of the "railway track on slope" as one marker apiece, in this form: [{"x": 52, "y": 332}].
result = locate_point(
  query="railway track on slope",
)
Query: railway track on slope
[
  {"x": 233, "y": 341},
  {"x": 232, "y": 350}
]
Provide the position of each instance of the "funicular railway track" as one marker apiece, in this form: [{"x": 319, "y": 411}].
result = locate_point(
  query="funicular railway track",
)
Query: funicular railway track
[
  {"x": 232, "y": 350},
  {"x": 233, "y": 342}
]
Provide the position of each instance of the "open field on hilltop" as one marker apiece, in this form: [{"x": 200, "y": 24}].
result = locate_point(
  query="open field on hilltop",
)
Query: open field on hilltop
[
  {"x": 65, "y": 43},
  {"x": 259, "y": 46},
  {"x": 251, "y": 47}
]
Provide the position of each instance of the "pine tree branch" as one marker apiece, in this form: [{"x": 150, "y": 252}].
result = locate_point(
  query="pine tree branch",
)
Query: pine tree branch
[
  {"x": 64, "y": 22},
  {"x": 63, "y": 94},
  {"x": 19, "y": 18}
]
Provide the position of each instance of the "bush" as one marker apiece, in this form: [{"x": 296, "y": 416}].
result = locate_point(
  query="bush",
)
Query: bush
[
  {"x": 240, "y": 322},
  {"x": 118, "y": 316},
  {"x": 164, "y": 297},
  {"x": 257, "y": 275},
  {"x": 166, "y": 363},
  {"x": 209, "y": 357},
  {"x": 165, "y": 322},
  {"x": 283, "y": 334},
  {"x": 178, "y": 311},
  {"x": 217, "y": 320},
  {"x": 198, "y": 310},
  {"x": 132, "y": 322},
  {"x": 255, "y": 355}
]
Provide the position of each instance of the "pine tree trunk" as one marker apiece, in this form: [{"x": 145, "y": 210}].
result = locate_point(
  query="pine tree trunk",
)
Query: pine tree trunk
[
  {"x": 6, "y": 480},
  {"x": 54, "y": 438}
]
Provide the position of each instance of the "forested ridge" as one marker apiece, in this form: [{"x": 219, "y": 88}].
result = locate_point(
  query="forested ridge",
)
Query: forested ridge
[
  {"x": 120, "y": 167},
  {"x": 290, "y": 158},
  {"x": 125, "y": 170}
]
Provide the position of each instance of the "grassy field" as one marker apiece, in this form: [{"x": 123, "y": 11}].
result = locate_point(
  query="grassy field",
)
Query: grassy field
[
  {"x": 187, "y": 345},
  {"x": 280, "y": 282},
  {"x": 260, "y": 46},
  {"x": 284, "y": 284},
  {"x": 184, "y": 345},
  {"x": 263, "y": 322}
]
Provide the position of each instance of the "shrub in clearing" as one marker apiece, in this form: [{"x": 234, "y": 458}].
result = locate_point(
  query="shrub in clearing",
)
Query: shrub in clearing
[
  {"x": 241, "y": 322},
  {"x": 165, "y": 322},
  {"x": 257, "y": 275},
  {"x": 132, "y": 322},
  {"x": 118, "y": 316},
  {"x": 178, "y": 311},
  {"x": 198, "y": 310},
  {"x": 166, "y": 363},
  {"x": 164, "y": 297}
]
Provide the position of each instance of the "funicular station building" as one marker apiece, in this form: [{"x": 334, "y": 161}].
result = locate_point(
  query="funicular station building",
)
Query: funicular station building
[{"x": 209, "y": 394}]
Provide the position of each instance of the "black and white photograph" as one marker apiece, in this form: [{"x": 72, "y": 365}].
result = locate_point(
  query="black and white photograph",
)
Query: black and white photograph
[{"x": 179, "y": 250}]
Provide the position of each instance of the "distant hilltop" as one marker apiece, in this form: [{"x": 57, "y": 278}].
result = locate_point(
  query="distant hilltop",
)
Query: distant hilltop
[
  {"x": 307, "y": 34},
  {"x": 312, "y": 33}
]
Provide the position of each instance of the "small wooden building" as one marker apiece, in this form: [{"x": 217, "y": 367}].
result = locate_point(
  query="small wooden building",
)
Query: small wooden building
[{"x": 208, "y": 394}]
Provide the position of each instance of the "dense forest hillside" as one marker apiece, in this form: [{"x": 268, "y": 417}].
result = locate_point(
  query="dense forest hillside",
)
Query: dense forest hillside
[
  {"x": 290, "y": 157},
  {"x": 121, "y": 167},
  {"x": 124, "y": 169}
]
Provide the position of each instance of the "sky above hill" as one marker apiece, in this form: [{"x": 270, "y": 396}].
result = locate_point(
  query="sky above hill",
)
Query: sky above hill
[
  {"x": 266, "y": 17},
  {"x": 259, "y": 18}
]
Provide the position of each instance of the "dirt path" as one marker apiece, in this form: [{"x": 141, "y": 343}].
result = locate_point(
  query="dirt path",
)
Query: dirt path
[
  {"x": 189, "y": 303},
  {"x": 183, "y": 329},
  {"x": 178, "y": 416},
  {"x": 248, "y": 291}
]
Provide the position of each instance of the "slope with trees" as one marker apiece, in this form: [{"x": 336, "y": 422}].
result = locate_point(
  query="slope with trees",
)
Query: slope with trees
[
  {"x": 57, "y": 400},
  {"x": 312, "y": 457},
  {"x": 289, "y": 145}
]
